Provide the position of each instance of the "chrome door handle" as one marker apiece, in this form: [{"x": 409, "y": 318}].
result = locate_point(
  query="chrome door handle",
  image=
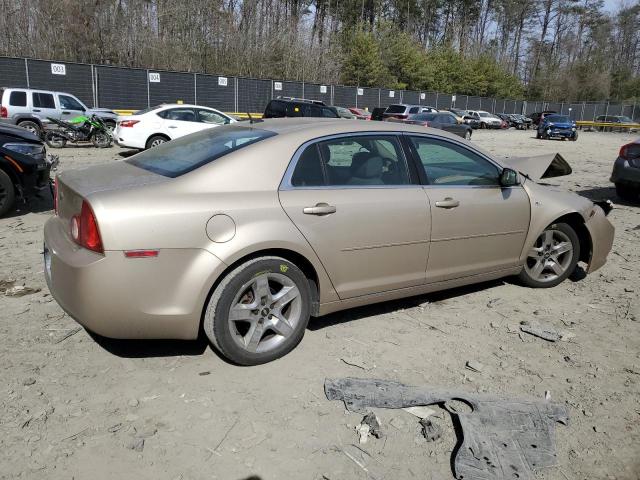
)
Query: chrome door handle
[
  {"x": 319, "y": 209},
  {"x": 36, "y": 110},
  {"x": 447, "y": 203},
  {"x": 65, "y": 112}
]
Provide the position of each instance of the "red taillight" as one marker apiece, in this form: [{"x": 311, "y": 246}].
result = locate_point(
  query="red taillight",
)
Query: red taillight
[
  {"x": 84, "y": 229},
  {"x": 55, "y": 195},
  {"x": 630, "y": 151},
  {"x": 4, "y": 113},
  {"x": 129, "y": 123}
]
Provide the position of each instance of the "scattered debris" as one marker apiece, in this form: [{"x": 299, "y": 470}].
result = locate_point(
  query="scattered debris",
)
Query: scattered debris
[
  {"x": 6, "y": 284},
  {"x": 420, "y": 412},
  {"x": 67, "y": 334},
  {"x": 431, "y": 431},
  {"x": 28, "y": 381},
  {"x": 202, "y": 374},
  {"x": 375, "y": 428},
  {"x": 546, "y": 332},
  {"x": 474, "y": 366},
  {"x": 493, "y": 444},
  {"x": 363, "y": 431},
  {"x": 134, "y": 402},
  {"x": 358, "y": 362},
  {"x": 136, "y": 444},
  {"x": 20, "y": 291},
  {"x": 115, "y": 428}
]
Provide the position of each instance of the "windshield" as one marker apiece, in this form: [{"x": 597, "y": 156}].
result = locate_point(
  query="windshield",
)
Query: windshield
[
  {"x": 185, "y": 154},
  {"x": 558, "y": 118},
  {"x": 625, "y": 119},
  {"x": 485, "y": 114}
]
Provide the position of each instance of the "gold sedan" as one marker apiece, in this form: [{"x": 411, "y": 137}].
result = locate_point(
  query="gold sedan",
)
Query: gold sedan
[{"x": 247, "y": 230}]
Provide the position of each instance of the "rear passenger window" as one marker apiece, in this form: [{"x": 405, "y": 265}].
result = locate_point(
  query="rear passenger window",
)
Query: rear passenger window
[
  {"x": 366, "y": 160},
  {"x": 43, "y": 100},
  {"x": 18, "y": 99},
  {"x": 414, "y": 109},
  {"x": 308, "y": 172}
]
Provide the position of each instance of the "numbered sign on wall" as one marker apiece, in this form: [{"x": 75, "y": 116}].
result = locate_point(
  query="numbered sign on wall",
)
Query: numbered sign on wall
[
  {"x": 392, "y": 94},
  {"x": 223, "y": 81},
  {"x": 361, "y": 91},
  {"x": 423, "y": 96},
  {"x": 323, "y": 89},
  {"x": 154, "y": 77},
  {"x": 58, "y": 69},
  {"x": 277, "y": 85}
]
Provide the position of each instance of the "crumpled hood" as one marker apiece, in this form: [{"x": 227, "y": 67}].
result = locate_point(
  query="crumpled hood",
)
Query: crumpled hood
[{"x": 538, "y": 167}]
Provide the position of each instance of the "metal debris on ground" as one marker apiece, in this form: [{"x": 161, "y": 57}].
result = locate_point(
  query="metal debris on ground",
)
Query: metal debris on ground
[
  {"x": 546, "y": 332},
  {"x": 420, "y": 412},
  {"x": 20, "y": 291},
  {"x": 474, "y": 366},
  {"x": 375, "y": 428},
  {"x": 431, "y": 431},
  {"x": 501, "y": 438}
]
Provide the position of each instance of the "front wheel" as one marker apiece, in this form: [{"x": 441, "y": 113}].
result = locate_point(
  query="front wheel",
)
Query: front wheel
[
  {"x": 259, "y": 312},
  {"x": 467, "y": 135},
  {"x": 7, "y": 193},
  {"x": 626, "y": 192},
  {"x": 55, "y": 140},
  {"x": 101, "y": 139},
  {"x": 552, "y": 258}
]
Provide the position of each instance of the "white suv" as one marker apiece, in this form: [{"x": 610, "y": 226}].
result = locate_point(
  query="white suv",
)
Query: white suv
[
  {"x": 486, "y": 119},
  {"x": 30, "y": 108}
]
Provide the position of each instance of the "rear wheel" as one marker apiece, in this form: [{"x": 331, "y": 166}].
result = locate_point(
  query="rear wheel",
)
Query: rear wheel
[
  {"x": 552, "y": 258},
  {"x": 101, "y": 139},
  {"x": 55, "y": 140},
  {"x": 7, "y": 193},
  {"x": 31, "y": 126},
  {"x": 259, "y": 312},
  {"x": 627, "y": 192},
  {"x": 156, "y": 141}
]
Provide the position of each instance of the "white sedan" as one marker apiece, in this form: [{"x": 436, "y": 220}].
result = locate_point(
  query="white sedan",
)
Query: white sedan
[{"x": 156, "y": 125}]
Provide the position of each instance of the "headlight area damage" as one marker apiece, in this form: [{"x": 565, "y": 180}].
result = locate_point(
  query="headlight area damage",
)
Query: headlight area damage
[{"x": 502, "y": 439}]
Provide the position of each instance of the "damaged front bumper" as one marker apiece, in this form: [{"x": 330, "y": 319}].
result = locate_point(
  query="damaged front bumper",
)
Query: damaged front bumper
[{"x": 601, "y": 232}]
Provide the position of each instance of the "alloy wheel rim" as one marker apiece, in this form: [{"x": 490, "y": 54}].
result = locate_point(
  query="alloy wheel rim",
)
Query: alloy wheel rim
[
  {"x": 265, "y": 312},
  {"x": 550, "y": 257},
  {"x": 157, "y": 142}
]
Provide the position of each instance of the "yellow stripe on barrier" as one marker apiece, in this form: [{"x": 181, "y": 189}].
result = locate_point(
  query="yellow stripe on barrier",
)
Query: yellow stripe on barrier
[
  {"x": 585, "y": 123},
  {"x": 235, "y": 114}
]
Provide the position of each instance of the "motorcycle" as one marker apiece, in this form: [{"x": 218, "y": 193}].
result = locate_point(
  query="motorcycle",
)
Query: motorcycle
[{"x": 80, "y": 129}]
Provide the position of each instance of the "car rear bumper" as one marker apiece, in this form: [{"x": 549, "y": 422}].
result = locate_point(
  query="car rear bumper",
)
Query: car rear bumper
[
  {"x": 129, "y": 138},
  {"x": 624, "y": 173},
  {"x": 119, "y": 297},
  {"x": 602, "y": 232}
]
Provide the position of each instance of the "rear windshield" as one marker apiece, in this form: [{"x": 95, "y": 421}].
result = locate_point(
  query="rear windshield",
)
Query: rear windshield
[
  {"x": 395, "y": 109},
  {"x": 557, "y": 118},
  {"x": 147, "y": 110},
  {"x": 185, "y": 154}
]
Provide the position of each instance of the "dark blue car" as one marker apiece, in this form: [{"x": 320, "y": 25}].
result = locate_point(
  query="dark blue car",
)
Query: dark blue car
[{"x": 557, "y": 126}]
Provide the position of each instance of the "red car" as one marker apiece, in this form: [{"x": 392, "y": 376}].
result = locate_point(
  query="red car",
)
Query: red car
[{"x": 360, "y": 113}]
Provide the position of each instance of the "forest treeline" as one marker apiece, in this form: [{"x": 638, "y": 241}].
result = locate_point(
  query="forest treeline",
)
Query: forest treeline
[{"x": 556, "y": 50}]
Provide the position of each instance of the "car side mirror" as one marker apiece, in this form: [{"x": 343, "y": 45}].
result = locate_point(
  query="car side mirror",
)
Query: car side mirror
[{"x": 509, "y": 178}]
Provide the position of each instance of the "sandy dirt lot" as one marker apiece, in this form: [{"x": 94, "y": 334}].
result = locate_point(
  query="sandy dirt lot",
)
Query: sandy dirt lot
[{"x": 77, "y": 407}]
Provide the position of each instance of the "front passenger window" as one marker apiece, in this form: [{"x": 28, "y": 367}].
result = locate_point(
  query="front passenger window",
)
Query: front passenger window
[{"x": 446, "y": 163}]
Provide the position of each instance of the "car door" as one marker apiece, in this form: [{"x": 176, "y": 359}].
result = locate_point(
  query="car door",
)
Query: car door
[
  {"x": 354, "y": 201},
  {"x": 208, "y": 118},
  {"x": 69, "y": 107},
  {"x": 44, "y": 105},
  {"x": 180, "y": 121},
  {"x": 477, "y": 226},
  {"x": 449, "y": 124}
]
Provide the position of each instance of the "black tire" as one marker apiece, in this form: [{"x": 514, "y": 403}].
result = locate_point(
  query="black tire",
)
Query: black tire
[
  {"x": 216, "y": 323},
  {"x": 155, "y": 140},
  {"x": 55, "y": 140},
  {"x": 575, "y": 137},
  {"x": 7, "y": 193},
  {"x": 31, "y": 126},
  {"x": 467, "y": 135},
  {"x": 110, "y": 124},
  {"x": 538, "y": 136},
  {"x": 101, "y": 139},
  {"x": 626, "y": 192},
  {"x": 527, "y": 280},
  {"x": 483, "y": 125}
]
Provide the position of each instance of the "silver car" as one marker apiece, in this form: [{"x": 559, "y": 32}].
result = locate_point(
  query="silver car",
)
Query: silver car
[{"x": 30, "y": 108}]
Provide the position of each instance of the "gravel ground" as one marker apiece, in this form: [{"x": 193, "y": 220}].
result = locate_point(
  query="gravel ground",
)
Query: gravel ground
[{"x": 76, "y": 406}]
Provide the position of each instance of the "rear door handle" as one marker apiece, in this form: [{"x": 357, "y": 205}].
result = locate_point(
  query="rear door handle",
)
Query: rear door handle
[
  {"x": 319, "y": 209},
  {"x": 173, "y": 126},
  {"x": 65, "y": 112},
  {"x": 447, "y": 203},
  {"x": 36, "y": 110}
]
